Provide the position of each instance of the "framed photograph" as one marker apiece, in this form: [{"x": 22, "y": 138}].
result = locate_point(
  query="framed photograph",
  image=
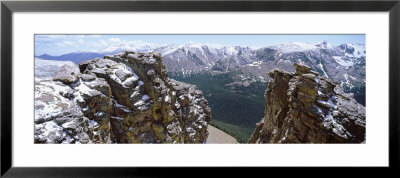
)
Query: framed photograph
[{"x": 104, "y": 88}]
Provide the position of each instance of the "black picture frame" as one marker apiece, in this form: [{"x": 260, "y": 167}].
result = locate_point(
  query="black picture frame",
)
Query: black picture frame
[{"x": 8, "y": 7}]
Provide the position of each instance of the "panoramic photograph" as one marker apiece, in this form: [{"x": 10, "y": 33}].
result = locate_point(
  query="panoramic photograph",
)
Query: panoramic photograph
[{"x": 201, "y": 89}]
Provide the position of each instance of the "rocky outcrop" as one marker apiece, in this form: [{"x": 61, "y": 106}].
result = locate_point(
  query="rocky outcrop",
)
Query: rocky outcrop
[
  {"x": 124, "y": 98},
  {"x": 303, "y": 107}
]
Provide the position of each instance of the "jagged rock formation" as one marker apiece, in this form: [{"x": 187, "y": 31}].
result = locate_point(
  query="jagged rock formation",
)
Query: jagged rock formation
[
  {"x": 124, "y": 98},
  {"x": 303, "y": 107}
]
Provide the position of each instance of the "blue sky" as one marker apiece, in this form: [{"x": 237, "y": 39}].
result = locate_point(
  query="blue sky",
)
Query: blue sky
[{"x": 63, "y": 44}]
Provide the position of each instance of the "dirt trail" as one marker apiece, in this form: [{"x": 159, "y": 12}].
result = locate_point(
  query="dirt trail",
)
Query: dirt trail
[{"x": 218, "y": 136}]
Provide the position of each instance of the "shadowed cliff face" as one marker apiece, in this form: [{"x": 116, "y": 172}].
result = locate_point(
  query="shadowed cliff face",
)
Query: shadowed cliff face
[
  {"x": 124, "y": 98},
  {"x": 303, "y": 107}
]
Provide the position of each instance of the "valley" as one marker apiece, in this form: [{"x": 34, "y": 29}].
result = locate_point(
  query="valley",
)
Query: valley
[{"x": 234, "y": 110}]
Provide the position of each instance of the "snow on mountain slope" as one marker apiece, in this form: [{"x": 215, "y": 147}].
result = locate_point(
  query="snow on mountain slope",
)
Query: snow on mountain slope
[
  {"x": 168, "y": 49},
  {"x": 139, "y": 47},
  {"x": 342, "y": 61},
  {"x": 165, "y": 50},
  {"x": 354, "y": 50},
  {"x": 351, "y": 54},
  {"x": 46, "y": 68},
  {"x": 255, "y": 64},
  {"x": 324, "y": 45},
  {"x": 189, "y": 58},
  {"x": 230, "y": 50},
  {"x": 291, "y": 47}
]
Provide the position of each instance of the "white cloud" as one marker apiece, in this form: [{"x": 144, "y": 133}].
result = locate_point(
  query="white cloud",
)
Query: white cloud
[
  {"x": 140, "y": 43},
  {"x": 66, "y": 43},
  {"x": 214, "y": 45},
  {"x": 48, "y": 38},
  {"x": 95, "y": 36},
  {"x": 70, "y": 43},
  {"x": 114, "y": 40},
  {"x": 80, "y": 41},
  {"x": 104, "y": 43}
]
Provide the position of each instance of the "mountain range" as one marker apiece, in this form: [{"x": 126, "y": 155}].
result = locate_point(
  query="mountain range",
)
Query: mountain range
[{"x": 345, "y": 63}]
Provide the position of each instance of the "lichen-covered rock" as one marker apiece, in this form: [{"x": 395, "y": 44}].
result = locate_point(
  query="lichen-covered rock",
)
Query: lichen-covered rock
[
  {"x": 57, "y": 118},
  {"x": 67, "y": 74},
  {"x": 124, "y": 98},
  {"x": 192, "y": 108},
  {"x": 303, "y": 107}
]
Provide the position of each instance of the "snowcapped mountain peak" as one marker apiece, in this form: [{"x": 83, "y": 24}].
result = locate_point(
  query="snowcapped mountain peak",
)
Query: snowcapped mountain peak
[
  {"x": 324, "y": 45},
  {"x": 230, "y": 50},
  {"x": 353, "y": 50},
  {"x": 289, "y": 47},
  {"x": 129, "y": 46},
  {"x": 185, "y": 47},
  {"x": 194, "y": 45},
  {"x": 169, "y": 49},
  {"x": 119, "y": 47}
]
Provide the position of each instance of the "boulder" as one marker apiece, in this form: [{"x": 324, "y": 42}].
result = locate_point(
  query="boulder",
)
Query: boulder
[{"x": 67, "y": 74}]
